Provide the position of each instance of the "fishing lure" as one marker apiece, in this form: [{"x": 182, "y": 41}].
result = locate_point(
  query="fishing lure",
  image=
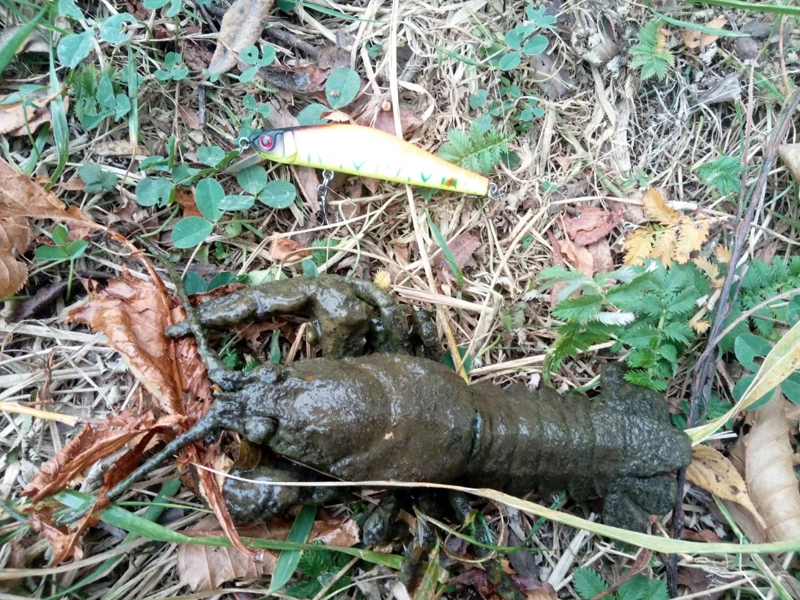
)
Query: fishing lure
[{"x": 365, "y": 151}]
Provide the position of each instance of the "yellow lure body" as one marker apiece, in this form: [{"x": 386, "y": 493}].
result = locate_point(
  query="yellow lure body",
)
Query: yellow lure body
[{"x": 368, "y": 152}]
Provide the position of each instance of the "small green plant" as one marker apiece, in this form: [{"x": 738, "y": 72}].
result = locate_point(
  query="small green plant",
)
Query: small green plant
[
  {"x": 647, "y": 313},
  {"x": 174, "y": 70},
  {"x": 589, "y": 583},
  {"x": 521, "y": 41},
  {"x": 319, "y": 567},
  {"x": 480, "y": 150},
  {"x": 73, "y": 48},
  {"x": 96, "y": 180},
  {"x": 342, "y": 87},
  {"x": 651, "y": 54},
  {"x": 63, "y": 250},
  {"x": 251, "y": 56},
  {"x": 722, "y": 174},
  {"x": 99, "y": 96}
]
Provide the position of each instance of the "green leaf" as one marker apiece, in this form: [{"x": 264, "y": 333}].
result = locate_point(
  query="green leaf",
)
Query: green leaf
[
  {"x": 722, "y": 174},
  {"x": 516, "y": 36},
  {"x": 105, "y": 93},
  {"x": 50, "y": 253},
  {"x": 268, "y": 56},
  {"x": 748, "y": 348},
  {"x": 96, "y": 180},
  {"x": 478, "y": 99},
  {"x": 536, "y": 45},
  {"x": 220, "y": 279},
  {"x": 342, "y": 87},
  {"x": 249, "y": 102},
  {"x": 588, "y": 583},
  {"x": 210, "y": 155},
  {"x": 537, "y": 16},
  {"x": 194, "y": 283},
  {"x": 153, "y": 190},
  {"x": 75, "y": 47},
  {"x": 68, "y": 8},
  {"x": 76, "y": 249},
  {"x": 249, "y": 55},
  {"x": 448, "y": 254},
  {"x": 579, "y": 309},
  {"x": 312, "y": 114},
  {"x": 191, "y": 231},
  {"x": 309, "y": 268},
  {"x": 252, "y": 179},
  {"x": 60, "y": 235},
  {"x": 9, "y": 49},
  {"x": 154, "y": 4},
  {"x": 248, "y": 75},
  {"x": 741, "y": 387},
  {"x": 510, "y": 61},
  {"x": 208, "y": 194},
  {"x": 636, "y": 588},
  {"x": 288, "y": 559},
  {"x": 237, "y": 202},
  {"x": 111, "y": 29},
  {"x": 278, "y": 194},
  {"x": 122, "y": 106},
  {"x": 447, "y": 360}
]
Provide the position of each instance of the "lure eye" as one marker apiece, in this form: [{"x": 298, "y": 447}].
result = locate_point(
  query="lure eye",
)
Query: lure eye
[{"x": 266, "y": 142}]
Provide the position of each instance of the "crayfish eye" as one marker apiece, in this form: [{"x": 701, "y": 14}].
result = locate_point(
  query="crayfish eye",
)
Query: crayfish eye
[{"x": 266, "y": 142}]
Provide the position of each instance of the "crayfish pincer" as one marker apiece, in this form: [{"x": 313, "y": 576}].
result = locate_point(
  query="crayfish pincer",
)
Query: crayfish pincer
[{"x": 378, "y": 405}]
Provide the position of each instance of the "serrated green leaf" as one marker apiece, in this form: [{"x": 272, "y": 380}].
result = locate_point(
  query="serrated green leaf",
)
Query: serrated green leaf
[
  {"x": 723, "y": 174},
  {"x": 278, "y": 194},
  {"x": 579, "y": 309},
  {"x": 191, "y": 231},
  {"x": 342, "y": 86},
  {"x": 588, "y": 583}
]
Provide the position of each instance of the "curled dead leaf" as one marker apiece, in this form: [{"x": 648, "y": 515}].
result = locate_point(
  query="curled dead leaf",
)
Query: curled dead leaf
[
  {"x": 241, "y": 27},
  {"x": 638, "y": 246},
  {"x": 695, "y": 39},
  {"x": 713, "y": 472},
  {"x": 185, "y": 197},
  {"x": 17, "y": 117},
  {"x": 285, "y": 249},
  {"x": 769, "y": 471},
  {"x": 203, "y": 568},
  {"x": 656, "y": 208},
  {"x": 593, "y": 224}
]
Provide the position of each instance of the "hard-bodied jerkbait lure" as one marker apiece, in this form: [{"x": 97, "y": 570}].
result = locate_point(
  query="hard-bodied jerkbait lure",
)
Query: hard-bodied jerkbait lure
[{"x": 368, "y": 152}]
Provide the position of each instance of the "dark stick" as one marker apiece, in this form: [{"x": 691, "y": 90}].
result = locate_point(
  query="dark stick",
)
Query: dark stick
[{"x": 702, "y": 380}]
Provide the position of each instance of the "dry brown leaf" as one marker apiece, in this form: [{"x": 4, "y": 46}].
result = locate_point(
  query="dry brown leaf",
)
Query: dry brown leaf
[
  {"x": 92, "y": 443},
  {"x": 694, "y": 39},
  {"x": 664, "y": 246},
  {"x": 713, "y": 472},
  {"x": 579, "y": 256},
  {"x": 286, "y": 249},
  {"x": 13, "y": 274},
  {"x": 241, "y": 27},
  {"x": 203, "y": 568},
  {"x": 15, "y": 118},
  {"x": 700, "y": 325},
  {"x": 711, "y": 270},
  {"x": 64, "y": 544},
  {"x": 601, "y": 256},
  {"x": 409, "y": 120},
  {"x": 790, "y": 155},
  {"x": 20, "y": 196},
  {"x": 638, "y": 246},
  {"x": 769, "y": 471},
  {"x": 462, "y": 247},
  {"x": 190, "y": 118},
  {"x": 723, "y": 255},
  {"x": 656, "y": 208},
  {"x": 185, "y": 197},
  {"x": 691, "y": 236},
  {"x": 593, "y": 224},
  {"x": 118, "y": 148},
  {"x": 133, "y": 315}
]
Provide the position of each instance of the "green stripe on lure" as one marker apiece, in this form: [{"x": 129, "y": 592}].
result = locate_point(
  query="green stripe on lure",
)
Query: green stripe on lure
[{"x": 367, "y": 152}]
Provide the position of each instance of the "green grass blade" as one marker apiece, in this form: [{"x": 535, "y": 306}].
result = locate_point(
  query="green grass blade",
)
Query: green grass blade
[
  {"x": 701, "y": 28},
  {"x": 127, "y": 521},
  {"x": 792, "y": 11},
  {"x": 133, "y": 96},
  {"x": 152, "y": 513},
  {"x": 448, "y": 254},
  {"x": 289, "y": 559},
  {"x": 58, "y": 116},
  {"x": 9, "y": 51},
  {"x": 334, "y": 13}
]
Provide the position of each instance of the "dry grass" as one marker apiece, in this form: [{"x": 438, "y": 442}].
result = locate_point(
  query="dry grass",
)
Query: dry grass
[{"x": 596, "y": 144}]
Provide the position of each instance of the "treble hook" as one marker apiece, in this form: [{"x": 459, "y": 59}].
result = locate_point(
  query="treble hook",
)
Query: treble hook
[{"x": 322, "y": 190}]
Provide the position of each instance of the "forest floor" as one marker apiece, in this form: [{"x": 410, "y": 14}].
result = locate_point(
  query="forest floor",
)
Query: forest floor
[{"x": 648, "y": 214}]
